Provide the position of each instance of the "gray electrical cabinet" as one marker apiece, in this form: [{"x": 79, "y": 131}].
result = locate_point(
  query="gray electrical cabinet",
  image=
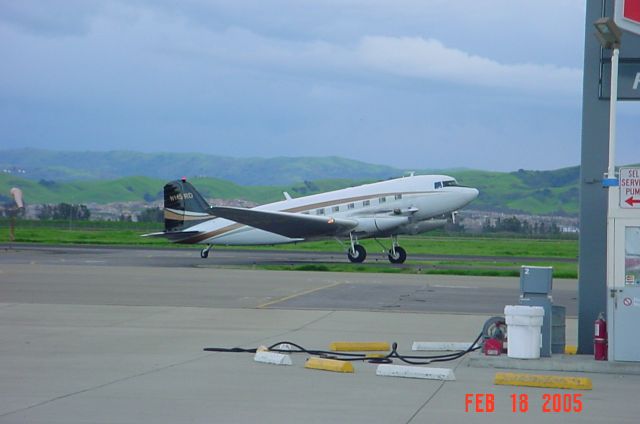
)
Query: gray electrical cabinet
[
  {"x": 627, "y": 318},
  {"x": 623, "y": 269},
  {"x": 536, "y": 280},
  {"x": 536, "y": 283}
]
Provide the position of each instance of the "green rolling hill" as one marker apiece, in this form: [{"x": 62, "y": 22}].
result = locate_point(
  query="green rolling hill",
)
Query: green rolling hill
[
  {"x": 535, "y": 192},
  {"x": 37, "y": 164},
  {"x": 103, "y": 177},
  {"x": 531, "y": 192}
]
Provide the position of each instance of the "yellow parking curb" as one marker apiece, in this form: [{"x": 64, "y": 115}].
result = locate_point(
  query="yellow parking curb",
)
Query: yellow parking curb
[
  {"x": 375, "y": 355},
  {"x": 328, "y": 365},
  {"x": 545, "y": 381},
  {"x": 570, "y": 350},
  {"x": 359, "y": 346}
]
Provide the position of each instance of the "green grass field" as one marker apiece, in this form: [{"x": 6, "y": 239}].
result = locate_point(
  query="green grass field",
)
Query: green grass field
[{"x": 503, "y": 255}]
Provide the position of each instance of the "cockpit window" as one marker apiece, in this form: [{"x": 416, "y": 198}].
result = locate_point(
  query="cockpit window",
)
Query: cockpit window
[{"x": 447, "y": 183}]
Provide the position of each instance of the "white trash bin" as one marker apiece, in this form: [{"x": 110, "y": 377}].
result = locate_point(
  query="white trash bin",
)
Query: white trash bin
[{"x": 524, "y": 338}]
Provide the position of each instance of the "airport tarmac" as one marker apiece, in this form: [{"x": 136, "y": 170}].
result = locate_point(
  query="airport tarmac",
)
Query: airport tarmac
[
  {"x": 178, "y": 277},
  {"x": 86, "y": 337},
  {"x": 189, "y": 256}
]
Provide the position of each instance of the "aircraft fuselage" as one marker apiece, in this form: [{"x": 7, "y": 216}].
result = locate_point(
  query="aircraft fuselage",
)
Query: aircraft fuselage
[{"x": 400, "y": 206}]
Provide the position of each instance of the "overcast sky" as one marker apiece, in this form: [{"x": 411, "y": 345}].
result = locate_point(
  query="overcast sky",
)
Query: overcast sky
[{"x": 409, "y": 83}]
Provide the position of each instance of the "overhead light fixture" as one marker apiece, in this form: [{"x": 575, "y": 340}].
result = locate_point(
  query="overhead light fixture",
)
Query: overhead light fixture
[{"x": 608, "y": 33}]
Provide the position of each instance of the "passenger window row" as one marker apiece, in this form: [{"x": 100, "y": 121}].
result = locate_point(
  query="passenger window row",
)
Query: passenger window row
[{"x": 349, "y": 206}]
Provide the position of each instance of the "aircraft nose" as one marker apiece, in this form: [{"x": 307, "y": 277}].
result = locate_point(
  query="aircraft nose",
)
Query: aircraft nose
[{"x": 471, "y": 193}]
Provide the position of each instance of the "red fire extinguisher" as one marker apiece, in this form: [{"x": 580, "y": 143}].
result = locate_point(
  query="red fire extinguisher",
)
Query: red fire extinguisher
[{"x": 600, "y": 341}]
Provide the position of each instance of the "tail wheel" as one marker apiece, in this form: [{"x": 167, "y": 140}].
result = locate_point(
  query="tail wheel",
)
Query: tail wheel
[
  {"x": 399, "y": 257},
  {"x": 359, "y": 254}
]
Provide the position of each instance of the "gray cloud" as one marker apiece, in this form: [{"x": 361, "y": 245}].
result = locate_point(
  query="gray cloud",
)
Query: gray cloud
[
  {"x": 429, "y": 58},
  {"x": 50, "y": 17},
  {"x": 422, "y": 83}
]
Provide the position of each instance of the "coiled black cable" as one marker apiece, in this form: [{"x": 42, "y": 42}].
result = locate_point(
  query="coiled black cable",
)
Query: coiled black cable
[{"x": 343, "y": 356}]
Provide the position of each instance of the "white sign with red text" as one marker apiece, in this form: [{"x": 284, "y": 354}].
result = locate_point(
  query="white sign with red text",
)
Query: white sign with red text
[
  {"x": 629, "y": 188},
  {"x": 627, "y": 15}
]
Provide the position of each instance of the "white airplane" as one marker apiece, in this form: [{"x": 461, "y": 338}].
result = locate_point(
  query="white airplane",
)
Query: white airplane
[{"x": 408, "y": 205}]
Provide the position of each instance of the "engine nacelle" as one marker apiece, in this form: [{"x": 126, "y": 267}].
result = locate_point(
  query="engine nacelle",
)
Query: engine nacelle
[
  {"x": 379, "y": 224},
  {"x": 423, "y": 226}
]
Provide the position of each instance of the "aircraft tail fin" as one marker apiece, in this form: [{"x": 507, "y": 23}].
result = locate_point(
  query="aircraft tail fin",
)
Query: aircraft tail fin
[{"x": 184, "y": 207}]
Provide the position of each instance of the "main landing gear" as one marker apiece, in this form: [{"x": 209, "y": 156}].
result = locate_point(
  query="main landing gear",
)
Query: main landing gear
[
  {"x": 204, "y": 253},
  {"x": 396, "y": 255},
  {"x": 357, "y": 253}
]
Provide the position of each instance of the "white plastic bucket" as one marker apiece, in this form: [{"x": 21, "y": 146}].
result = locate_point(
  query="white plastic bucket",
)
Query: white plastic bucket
[{"x": 523, "y": 331}]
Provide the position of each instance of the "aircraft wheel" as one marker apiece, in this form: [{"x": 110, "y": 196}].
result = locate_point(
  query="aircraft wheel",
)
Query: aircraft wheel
[
  {"x": 359, "y": 255},
  {"x": 204, "y": 253},
  {"x": 399, "y": 257}
]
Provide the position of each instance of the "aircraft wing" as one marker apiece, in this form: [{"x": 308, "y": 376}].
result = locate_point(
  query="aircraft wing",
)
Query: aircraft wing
[{"x": 293, "y": 225}]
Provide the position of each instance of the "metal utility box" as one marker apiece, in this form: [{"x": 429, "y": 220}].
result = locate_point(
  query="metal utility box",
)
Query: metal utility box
[
  {"x": 626, "y": 346},
  {"x": 623, "y": 267},
  {"x": 623, "y": 315},
  {"x": 535, "y": 290},
  {"x": 536, "y": 280}
]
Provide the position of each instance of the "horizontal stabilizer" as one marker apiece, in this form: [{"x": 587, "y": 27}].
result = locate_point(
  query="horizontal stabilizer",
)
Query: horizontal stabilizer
[
  {"x": 293, "y": 225},
  {"x": 173, "y": 235}
]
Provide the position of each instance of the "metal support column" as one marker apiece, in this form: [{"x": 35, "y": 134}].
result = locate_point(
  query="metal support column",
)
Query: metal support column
[{"x": 593, "y": 198}]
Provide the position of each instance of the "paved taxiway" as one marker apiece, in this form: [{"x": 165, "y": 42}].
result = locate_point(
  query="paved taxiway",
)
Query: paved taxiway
[
  {"x": 189, "y": 256},
  {"x": 88, "y": 337},
  {"x": 155, "y": 277}
]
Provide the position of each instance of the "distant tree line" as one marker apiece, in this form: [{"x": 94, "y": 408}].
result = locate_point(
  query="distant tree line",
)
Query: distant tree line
[
  {"x": 78, "y": 212},
  {"x": 64, "y": 211},
  {"x": 514, "y": 225},
  {"x": 308, "y": 188},
  {"x": 9, "y": 209},
  {"x": 151, "y": 215},
  {"x": 148, "y": 215}
]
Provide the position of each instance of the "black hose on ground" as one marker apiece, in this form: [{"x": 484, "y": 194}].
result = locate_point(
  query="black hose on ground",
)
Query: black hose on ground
[{"x": 343, "y": 356}]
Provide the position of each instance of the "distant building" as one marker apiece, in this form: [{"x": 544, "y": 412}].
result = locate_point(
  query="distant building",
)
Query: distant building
[{"x": 569, "y": 230}]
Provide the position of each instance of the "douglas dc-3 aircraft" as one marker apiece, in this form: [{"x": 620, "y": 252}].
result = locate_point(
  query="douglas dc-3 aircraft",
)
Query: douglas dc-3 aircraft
[{"x": 408, "y": 205}]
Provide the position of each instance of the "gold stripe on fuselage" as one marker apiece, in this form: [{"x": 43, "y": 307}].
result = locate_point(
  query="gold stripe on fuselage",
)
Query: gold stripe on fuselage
[
  {"x": 169, "y": 214},
  {"x": 210, "y": 234},
  {"x": 224, "y": 230}
]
